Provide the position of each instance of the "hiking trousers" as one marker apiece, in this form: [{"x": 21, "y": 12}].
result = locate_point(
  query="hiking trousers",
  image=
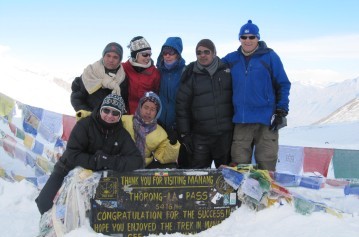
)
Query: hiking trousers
[
  {"x": 257, "y": 137},
  {"x": 47, "y": 194}
]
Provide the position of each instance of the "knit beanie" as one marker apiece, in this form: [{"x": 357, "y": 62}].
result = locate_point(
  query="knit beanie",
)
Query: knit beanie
[
  {"x": 207, "y": 43},
  {"x": 249, "y": 28},
  {"x": 138, "y": 44},
  {"x": 153, "y": 97},
  {"x": 113, "y": 47},
  {"x": 115, "y": 102}
]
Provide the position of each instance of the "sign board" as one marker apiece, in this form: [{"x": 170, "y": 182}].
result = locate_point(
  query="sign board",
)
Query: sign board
[{"x": 147, "y": 202}]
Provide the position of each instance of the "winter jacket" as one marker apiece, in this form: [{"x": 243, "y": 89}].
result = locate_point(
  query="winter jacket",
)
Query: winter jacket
[
  {"x": 157, "y": 144},
  {"x": 260, "y": 86},
  {"x": 170, "y": 81},
  {"x": 90, "y": 135},
  {"x": 140, "y": 82},
  {"x": 204, "y": 103},
  {"x": 82, "y": 100}
]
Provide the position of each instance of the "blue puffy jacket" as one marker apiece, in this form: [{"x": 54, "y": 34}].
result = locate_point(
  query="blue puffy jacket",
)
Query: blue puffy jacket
[{"x": 260, "y": 85}]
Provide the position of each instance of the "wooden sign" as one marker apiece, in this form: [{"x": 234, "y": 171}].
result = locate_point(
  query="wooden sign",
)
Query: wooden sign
[{"x": 147, "y": 202}]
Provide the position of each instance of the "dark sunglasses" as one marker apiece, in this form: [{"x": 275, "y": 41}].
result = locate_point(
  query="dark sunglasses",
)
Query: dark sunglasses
[
  {"x": 251, "y": 37},
  {"x": 205, "y": 52},
  {"x": 145, "y": 55},
  {"x": 169, "y": 52},
  {"x": 113, "y": 112}
]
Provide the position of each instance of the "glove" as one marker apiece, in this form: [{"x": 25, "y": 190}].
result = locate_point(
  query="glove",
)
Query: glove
[
  {"x": 187, "y": 142},
  {"x": 82, "y": 114},
  {"x": 104, "y": 161},
  {"x": 172, "y": 136},
  {"x": 279, "y": 120}
]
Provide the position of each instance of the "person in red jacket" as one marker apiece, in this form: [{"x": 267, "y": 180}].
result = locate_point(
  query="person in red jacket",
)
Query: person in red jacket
[{"x": 140, "y": 71}]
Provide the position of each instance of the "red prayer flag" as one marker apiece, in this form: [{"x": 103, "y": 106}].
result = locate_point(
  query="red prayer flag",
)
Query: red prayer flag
[
  {"x": 68, "y": 123},
  {"x": 317, "y": 160}
]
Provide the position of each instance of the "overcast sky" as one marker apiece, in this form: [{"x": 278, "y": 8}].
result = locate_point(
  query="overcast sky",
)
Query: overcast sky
[{"x": 315, "y": 39}]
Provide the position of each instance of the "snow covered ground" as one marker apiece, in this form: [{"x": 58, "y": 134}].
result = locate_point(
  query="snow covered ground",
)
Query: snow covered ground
[{"x": 19, "y": 217}]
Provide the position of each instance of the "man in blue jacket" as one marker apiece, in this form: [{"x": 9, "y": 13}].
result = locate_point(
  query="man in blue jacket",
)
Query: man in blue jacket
[{"x": 260, "y": 99}]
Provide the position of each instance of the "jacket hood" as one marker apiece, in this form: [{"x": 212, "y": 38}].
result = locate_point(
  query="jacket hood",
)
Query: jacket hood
[{"x": 174, "y": 42}]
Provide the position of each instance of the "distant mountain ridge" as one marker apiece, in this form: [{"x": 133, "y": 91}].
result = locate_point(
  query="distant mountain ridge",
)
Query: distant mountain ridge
[
  {"x": 346, "y": 113},
  {"x": 315, "y": 105}
]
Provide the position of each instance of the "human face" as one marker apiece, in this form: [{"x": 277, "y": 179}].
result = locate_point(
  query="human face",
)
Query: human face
[
  {"x": 248, "y": 44},
  {"x": 204, "y": 58},
  {"x": 110, "y": 115},
  {"x": 148, "y": 111},
  {"x": 111, "y": 60},
  {"x": 144, "y": 57},
  {"x": 169, "y": 56}
]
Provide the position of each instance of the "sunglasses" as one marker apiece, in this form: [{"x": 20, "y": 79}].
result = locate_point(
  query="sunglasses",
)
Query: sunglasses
[
  {"x": 169, "y": 52},
  {"x": 113, "y": 112},
  {"x": 251, "y": 37},
  {"x": 145, "y": 55},
  {"x": 205, "y": 52}
]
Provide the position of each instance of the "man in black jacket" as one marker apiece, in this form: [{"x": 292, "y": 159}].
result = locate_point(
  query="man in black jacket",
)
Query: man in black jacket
[
  {"x": 97, "y": 142},
  {"x": 99, "y": 79},
  {"x": 204, "y": 109}
]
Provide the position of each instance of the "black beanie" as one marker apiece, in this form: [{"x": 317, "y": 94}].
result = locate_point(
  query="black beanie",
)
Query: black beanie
[{"x": 115, "y": 102}]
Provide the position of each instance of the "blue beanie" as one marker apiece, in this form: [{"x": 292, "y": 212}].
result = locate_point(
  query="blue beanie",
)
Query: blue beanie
[{"x": 249, "y": 28}]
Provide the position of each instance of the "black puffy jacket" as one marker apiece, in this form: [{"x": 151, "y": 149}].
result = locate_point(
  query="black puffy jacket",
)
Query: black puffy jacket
[
  {"x": 204, "y": 103},
  {"x": 90, "y": 135},
  {"x": 82, "y": 100}
]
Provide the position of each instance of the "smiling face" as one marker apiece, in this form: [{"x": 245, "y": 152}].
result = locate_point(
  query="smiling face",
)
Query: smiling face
[
  {"x": 148, "y": 111},
  {"x": 144, "y": 57},
  {"x": 110, "y": 115},
  {"x": 204, "y": 56},
  {"x": 248, "y": 43}
]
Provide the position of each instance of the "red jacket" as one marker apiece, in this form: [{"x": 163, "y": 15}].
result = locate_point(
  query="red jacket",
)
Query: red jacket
[{"x": 139, "y": 83}]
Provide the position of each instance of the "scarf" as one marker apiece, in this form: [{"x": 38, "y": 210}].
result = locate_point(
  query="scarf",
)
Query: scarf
[
  {"x": 169, "y": 66},
  {"x": 211, "y": 69},
  {"x": 94, "y": 77},
  {"x": 136, "y": 64},
  {"x": 141, "y": 129}
]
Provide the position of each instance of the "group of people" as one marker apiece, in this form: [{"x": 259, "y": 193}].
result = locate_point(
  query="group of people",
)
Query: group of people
[{"x": 135, "y": 114}]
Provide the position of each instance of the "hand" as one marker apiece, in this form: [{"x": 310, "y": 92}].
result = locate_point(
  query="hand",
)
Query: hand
[
  {"x": 279, "y": 120},
  {"x": 172, "y": 136},
  {"x": 82, "y": 114},
  {"x": 186, "y": 141},
  {"x": 104, "y": 161}
]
